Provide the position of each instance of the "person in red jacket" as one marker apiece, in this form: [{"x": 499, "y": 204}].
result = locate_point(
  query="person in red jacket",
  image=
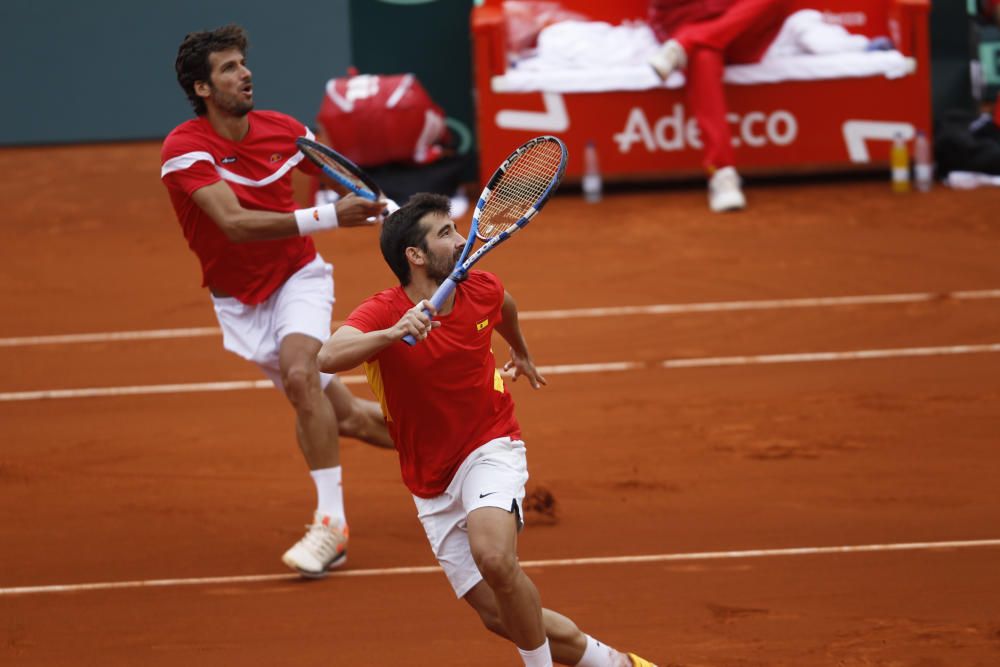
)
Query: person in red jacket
[
  {"x": 701, "y": 37},
  {"x": 228, "y": 172}
]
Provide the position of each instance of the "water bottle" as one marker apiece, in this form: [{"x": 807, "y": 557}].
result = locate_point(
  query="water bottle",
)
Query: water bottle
[
  {"x": 923, "y": 163},
  {"x": 899, "y": 161},
  {"x": 592, "y": 184}
]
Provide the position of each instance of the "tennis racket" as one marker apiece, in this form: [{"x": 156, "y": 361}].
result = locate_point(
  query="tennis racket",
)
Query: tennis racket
[
  {"x": 516, "y": 192},
  {"x": 340, "y": 169}
]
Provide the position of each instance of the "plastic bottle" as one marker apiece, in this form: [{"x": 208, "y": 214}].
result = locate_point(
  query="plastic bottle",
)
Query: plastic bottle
[
  {"x": 592, "y": 183},
  {"x": 899, "y": 161},
  {"x": 923, "y": 163}
]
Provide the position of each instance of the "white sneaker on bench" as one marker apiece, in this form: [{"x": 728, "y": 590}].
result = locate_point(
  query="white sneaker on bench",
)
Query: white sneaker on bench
[
  {"x": 724, "y": 193},
  {"x": 668, "y": 59}
]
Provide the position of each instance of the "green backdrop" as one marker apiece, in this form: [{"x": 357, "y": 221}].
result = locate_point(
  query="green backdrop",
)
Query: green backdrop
[
  {"x": 429, "y": 38},
  {"x": 102, "y": 70}
]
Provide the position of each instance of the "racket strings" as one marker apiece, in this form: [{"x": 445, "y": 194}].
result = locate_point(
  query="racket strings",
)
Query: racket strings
[{"x": 524, "y": 182}]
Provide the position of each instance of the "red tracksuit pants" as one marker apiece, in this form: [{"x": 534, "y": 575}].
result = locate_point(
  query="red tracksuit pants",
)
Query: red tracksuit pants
[{"x": 740, "y": 34}]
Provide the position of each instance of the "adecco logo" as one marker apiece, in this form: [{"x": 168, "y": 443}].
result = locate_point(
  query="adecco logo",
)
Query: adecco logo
[{"x": 675, "y": 132}]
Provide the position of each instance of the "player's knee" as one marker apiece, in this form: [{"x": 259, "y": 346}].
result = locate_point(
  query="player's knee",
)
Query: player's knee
[
  {"x": 498, "y": 567},
  {"x": 299, "y": 383}
]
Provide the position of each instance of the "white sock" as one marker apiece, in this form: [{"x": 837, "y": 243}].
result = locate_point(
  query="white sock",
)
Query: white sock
[
  {"x": 599, "y": 655},
  {"x": 329, "y": 493},
  {"x": 539, "y": 657}
]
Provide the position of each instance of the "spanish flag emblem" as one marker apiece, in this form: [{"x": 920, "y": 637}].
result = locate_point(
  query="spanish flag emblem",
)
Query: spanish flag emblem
[{"x": 482, "y": 325}]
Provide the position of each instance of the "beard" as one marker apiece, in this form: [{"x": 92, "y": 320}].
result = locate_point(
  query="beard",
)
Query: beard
[
  {"x": 439, "y": 268},
  {"x": 231, "y": 104}
]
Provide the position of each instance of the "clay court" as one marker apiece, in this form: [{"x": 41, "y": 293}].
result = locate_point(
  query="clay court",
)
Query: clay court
[{"x": 707, "y": 483}]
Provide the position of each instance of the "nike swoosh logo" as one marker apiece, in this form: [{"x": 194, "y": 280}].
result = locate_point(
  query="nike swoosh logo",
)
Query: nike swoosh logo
[{"x": 483, "y": 495}]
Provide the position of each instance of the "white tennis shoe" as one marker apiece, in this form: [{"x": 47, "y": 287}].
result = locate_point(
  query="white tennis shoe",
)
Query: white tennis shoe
[
  {"x": 323, "y": 548},
  {"x": 668, "y": 59},
  {"x": 724, "y": 192}
]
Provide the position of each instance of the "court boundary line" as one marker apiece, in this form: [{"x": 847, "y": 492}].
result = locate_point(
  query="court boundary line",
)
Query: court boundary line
[
  {"x": 561, "y": 369},
  {"x": 532, "y": 564},
  {"x": 612, "y": 311}
]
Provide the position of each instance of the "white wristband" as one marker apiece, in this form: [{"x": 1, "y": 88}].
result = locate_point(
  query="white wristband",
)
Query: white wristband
[{"x": 315, "y": 219}]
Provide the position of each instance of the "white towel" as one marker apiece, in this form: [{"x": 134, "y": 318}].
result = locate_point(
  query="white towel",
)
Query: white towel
[{"x": 592, "y": 56}]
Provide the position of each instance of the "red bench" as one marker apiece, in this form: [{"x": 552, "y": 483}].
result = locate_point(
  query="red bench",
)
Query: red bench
[{"x": 789, "y": 126}]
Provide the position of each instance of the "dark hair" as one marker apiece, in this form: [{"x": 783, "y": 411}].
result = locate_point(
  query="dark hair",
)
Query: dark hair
[
  {"x": 403, "y": 230},
  {"x": 192, "y": 58}
]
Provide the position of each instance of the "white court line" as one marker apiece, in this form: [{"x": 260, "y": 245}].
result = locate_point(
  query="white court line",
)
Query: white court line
[
  {"x": 811, "y": 357},
  {"x": 767, "y": 304},
  {"x": 142, "y": 390},
  {"x": 564, "y": 369},
  {"x": 559, "y": 562},
  {"x": 110, "y": 336},
  {"x": 615, "y": 311}
]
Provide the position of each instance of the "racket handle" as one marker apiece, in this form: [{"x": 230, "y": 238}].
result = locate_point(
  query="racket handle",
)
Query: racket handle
[
  {"x": 440, "y": 296},
  {"x": 409, "y": 339}
]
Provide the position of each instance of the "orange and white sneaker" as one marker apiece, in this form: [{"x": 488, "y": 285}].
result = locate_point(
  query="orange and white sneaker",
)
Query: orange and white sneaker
[
  {"x": 639, "y": 662},
  {"x": 323, "y": 548}
]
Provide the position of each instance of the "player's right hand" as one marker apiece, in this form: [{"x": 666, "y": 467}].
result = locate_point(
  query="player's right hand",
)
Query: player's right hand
[
  {"x": 355, "y": 211},
  {"x": 415, "y": 322}
]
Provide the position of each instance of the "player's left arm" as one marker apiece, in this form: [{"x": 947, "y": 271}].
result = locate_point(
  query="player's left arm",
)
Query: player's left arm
[{"x": 520, "y": 359}]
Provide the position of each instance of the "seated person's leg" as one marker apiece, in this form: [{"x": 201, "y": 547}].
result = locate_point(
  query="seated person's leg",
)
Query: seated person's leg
[
  {"x": 707, "y": 101},
  {"x": 753, "y": 23},
  {"x": 742, "y": 33}
]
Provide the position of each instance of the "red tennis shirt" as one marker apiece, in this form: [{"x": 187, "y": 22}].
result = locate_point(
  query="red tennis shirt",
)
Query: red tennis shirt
[
  {"x": 258, "y": 169},
  {"x": 443, "y": 397}
]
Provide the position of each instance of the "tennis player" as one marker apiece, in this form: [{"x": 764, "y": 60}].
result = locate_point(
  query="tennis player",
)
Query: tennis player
[
  {"x": 228, "y": 172},
  {"x": 452, "y": 418}
]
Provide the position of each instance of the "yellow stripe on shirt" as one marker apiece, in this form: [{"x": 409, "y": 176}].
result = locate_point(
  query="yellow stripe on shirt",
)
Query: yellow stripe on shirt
[
  {"x": 497, "y": 381},
  {"x": 374, "y": 374}
]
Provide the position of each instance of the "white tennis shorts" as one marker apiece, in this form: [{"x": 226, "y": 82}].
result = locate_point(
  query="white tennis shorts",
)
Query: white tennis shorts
[
  {"x": 304, "y": 305},
  {"x": 492, "y": 476}
]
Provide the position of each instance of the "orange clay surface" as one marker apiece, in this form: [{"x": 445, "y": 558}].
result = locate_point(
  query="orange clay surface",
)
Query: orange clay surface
[{"x": 647, "y": 461}]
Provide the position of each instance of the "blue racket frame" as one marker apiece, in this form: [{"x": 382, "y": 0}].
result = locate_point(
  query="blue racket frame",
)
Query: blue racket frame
[{"x": 371, "y": 193}]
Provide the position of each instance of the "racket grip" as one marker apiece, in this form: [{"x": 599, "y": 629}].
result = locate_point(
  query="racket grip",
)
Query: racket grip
[
  {"x": 408, "y": 338},
  {"x": 440, "y": 296}
]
